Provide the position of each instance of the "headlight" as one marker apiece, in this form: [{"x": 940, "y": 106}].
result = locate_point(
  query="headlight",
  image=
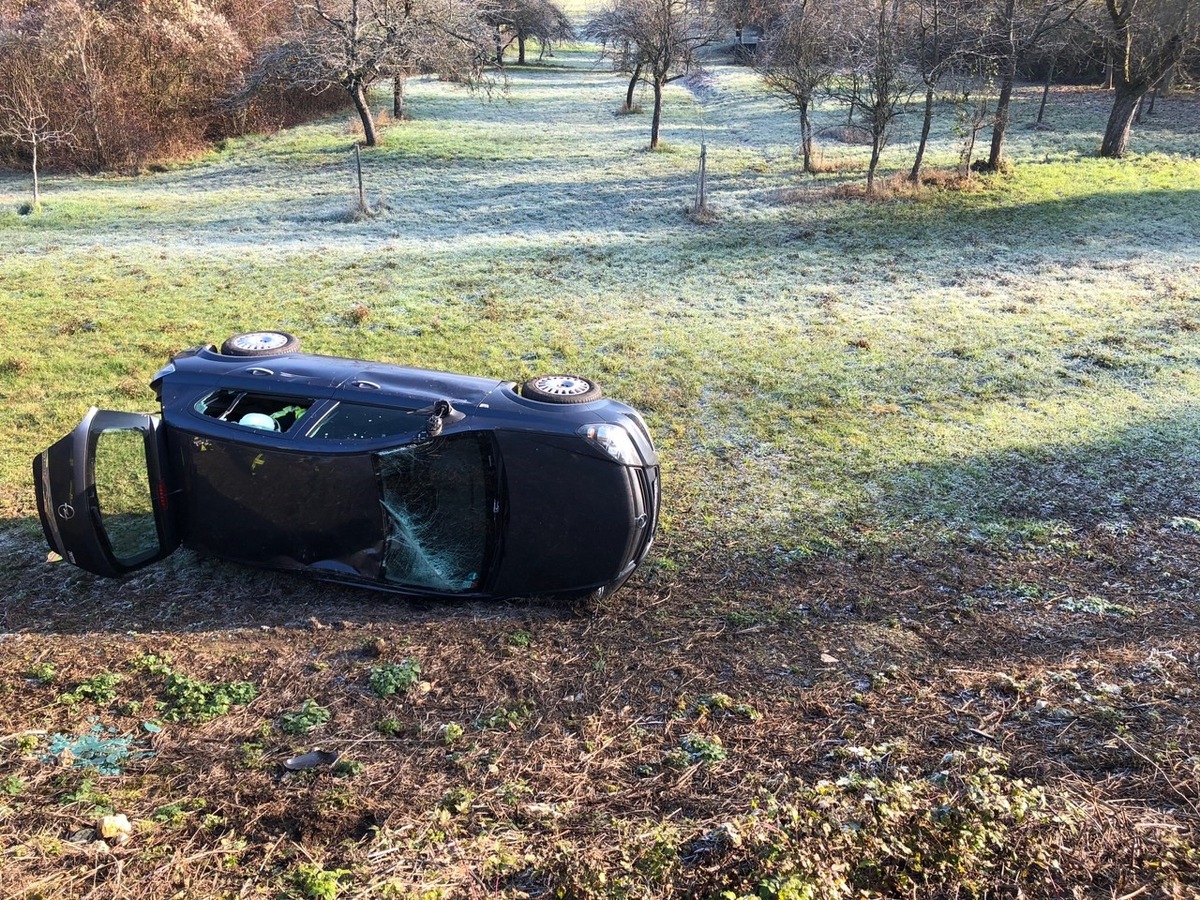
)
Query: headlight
[{"x": 613, "y": 440}]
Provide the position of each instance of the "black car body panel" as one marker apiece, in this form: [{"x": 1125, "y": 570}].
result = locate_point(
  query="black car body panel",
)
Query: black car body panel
[{"x": 402, "y": 479}]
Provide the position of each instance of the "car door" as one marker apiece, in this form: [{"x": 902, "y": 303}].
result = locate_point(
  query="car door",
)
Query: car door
[{"x": 102, "y": 493}]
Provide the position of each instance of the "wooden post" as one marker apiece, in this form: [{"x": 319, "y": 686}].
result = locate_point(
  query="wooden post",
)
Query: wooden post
[
  {"x": 701, "y": 186},
  {"x": 362, "y": 198},
  {"x": 1046, "y": 91}
]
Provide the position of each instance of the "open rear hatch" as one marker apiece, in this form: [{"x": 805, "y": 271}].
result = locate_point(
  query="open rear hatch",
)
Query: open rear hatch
[{"x": 102, "y": 493}]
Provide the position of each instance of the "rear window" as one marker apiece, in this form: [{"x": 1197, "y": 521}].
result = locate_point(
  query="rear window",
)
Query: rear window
[
  {"x": 266, "y": 412},
  {"x": 123, "y": 498}
]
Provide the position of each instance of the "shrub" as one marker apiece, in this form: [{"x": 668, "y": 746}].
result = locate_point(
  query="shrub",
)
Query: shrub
[
  {"x": 189, "y": 700},
  {"x": 99, "y": 689}
]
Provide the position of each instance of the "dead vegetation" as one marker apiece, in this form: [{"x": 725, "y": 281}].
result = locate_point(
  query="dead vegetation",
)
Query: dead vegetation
[{"x": 959, "y": 723}]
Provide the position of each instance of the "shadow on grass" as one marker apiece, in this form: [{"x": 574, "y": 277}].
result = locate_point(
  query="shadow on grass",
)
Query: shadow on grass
[
  {"x": 1146, "y": 472},
  {"x": 186, "y": 593}
]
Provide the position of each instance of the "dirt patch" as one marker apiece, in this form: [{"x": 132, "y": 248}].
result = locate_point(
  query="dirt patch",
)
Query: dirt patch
[{"x": 687, "y": 703}]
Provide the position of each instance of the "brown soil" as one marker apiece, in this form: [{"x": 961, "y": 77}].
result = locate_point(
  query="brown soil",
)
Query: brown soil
[{"x": 1080, "y": 664}]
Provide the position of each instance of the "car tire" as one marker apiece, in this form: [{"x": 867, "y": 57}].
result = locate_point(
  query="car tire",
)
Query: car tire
[
  {"x": 561, "y": 389},
  {"x": 261, "y": 343}
]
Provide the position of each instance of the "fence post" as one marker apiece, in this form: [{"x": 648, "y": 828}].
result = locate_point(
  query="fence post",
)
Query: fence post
[{"x": 362, "y": 199}]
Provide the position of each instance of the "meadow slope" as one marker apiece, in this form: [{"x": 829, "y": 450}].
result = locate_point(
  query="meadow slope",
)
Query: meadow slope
[{"x": 921, "y": 617}]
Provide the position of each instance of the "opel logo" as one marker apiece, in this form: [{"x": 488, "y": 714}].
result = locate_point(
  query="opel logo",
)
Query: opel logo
[{"x": 66, "y": 511}]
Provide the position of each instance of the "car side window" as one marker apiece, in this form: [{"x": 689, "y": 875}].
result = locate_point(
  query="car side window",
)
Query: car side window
[
  {"x": 266, "y": 412},
  {"x": 123, "y": 498},
  {"x": 439, "y": 501},
  {"x": 358, "y": 422}
]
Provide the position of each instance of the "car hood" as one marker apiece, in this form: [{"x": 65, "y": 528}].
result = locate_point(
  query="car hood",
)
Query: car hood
[{"x": 570, "y": 518}]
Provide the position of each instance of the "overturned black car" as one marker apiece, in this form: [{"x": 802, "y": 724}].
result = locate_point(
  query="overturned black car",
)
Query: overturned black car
[{"x": 419, "y": 482}]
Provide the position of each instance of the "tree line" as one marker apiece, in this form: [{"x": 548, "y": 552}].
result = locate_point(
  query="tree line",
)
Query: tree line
[
  {"x": 100, "y": 85},
  {"x": 110, "y": 84},
  {"x": 875, "y": 54}
]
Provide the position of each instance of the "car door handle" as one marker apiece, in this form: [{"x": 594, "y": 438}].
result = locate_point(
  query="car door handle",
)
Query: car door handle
[
  {"x": 369, "y": 385},
  {"x": 259, "y": 370}
]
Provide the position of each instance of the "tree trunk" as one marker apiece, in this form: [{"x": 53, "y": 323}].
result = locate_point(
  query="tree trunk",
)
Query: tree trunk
[
  {"x": 398, "y": 98},
  {"x": 915, "y": 175},
  {"x": 358, "y": 93},
  {"x": 1167, "y": 82},
  {"x": 1008, "y": 78},
  {"x": 637, "y": 73},
  {"x": 1000, "y": 129},
  {"x": 1133, "y": 77},
  {"x": 876, "y": 152},
  {"x": 1163, "y": 87},
  {"x": 499, "y": 49},
  {"x": 658, "y": 90},
  {"x": 520, "y": 47},
  {"x": 806, "y": 139},
  {"x": 1120, "y": 120}
]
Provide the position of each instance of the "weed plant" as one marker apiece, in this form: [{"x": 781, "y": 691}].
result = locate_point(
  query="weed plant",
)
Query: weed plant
[
  {"x": 188, "y": 700},
  {"x": 310, "y": 715},
  {"x": 394, "y": 678}
]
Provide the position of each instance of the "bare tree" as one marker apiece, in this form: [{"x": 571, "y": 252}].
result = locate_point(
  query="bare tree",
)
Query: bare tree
[
  {"x": 875, "y": 51},
  {"x": 1017, "y": 27},
  {"x": 743, "y": 14},
  {"x": 24, "y": 115},
  {"x": 440, "y": 37},
  {"x": 657, "y": 40},
  {"x": 354, "y": 43},
  {"x": 523, "y": 20},
  {"x": 942, "y": 44},
  {"x": 798, "y": 59},
  {"x": 971, "y": 112},
  {"x": 70, "y": 37},
  {"x": 1147, "y": 39}
]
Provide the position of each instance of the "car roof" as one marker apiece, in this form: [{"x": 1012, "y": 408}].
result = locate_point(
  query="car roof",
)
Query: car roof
[{"x": 329, "y": 376}]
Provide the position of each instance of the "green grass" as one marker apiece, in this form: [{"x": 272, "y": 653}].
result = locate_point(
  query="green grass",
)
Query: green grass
[
  {"x": 814, "y": 369},
  {"x": 819, "y": 372}
]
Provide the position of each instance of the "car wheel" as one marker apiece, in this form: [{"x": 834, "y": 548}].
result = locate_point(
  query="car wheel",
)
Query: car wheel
[
  {"x": 261, "y": 343},
  {"x": 561, "y": 389}
]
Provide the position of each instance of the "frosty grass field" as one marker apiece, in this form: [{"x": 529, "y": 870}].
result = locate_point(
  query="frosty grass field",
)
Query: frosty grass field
[
  {"x": 820, "y": 360},
  {"x": 1006, "y": 375}
]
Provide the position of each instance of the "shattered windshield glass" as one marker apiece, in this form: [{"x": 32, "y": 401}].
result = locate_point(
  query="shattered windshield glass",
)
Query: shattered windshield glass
[{"x": 439, "y": 499}]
